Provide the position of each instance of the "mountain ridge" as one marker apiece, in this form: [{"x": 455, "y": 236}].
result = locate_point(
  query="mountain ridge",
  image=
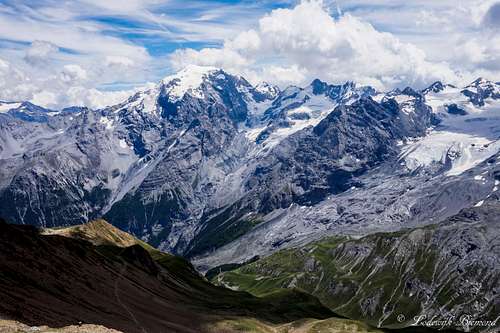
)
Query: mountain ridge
[
  {"x": 389, "y": 279},
  {"x": 70, "y": 280},
  {"x": 127, "y": 289},
  {"x": 191, "y": 166}
]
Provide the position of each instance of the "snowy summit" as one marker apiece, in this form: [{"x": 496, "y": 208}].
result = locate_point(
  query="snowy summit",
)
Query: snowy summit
[{"x": 188, "y": 80}]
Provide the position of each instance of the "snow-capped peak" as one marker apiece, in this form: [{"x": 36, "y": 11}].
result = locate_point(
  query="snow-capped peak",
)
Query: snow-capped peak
[
  {"x": 6, "y": 106},
  {"x": 435, "y": 88},
  {"x": 480, "y": 90},
  {"x": 188, "y": 79},
  {"x": 482, "y": 84},
  {"x": 468, "y": 129},
  {"x": 479, "y": 82},
  {"x": 267, "y": 89}
]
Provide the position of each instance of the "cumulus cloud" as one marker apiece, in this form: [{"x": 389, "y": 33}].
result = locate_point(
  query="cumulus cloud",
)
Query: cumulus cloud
[
  {"x": 72, "y": 53},
  {"x": 298, "y": 44},
  {"x": 492, "y": 16},
  {"x": 73, "y": 73},
  {"x": 119, "y": 61},
  {"x": 69, "y": 86},
  {"x": 57, "y": 84},
  {"x": 284, "y": 75},
  {"x": 67, "y": 48},
  {"x": 83, "y": 96},
  {"x": 480, "y": 54},
  {"x": 14, "y": 84},
  {"x": 229, "y": 59},
  {"x": 40, "y": 52},
  {"x": 477, "y": 51}
]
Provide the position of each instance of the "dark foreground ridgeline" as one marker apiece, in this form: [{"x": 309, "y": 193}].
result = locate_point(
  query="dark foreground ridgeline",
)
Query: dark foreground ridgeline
[{"x": 58, "y": 281}]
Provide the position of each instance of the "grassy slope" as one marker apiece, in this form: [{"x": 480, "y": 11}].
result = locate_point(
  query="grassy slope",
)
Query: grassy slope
[
  {"x": 281, "y": 300},
  {"x": 356, "y": 277},
  {"x": 96, "y": 274},
  {"x": 275, "y": 311},
  {"x": 98, "y": 232},
  {"x": 274, "y": 307},
  {"x": 331, "y": 325}
]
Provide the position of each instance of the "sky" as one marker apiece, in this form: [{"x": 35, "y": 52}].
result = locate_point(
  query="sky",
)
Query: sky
[{"x": 94, "y": 53}]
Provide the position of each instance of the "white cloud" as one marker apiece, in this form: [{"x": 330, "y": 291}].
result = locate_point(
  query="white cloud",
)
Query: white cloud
[
  {"x": 81, "y": 37},
  {"x": 299, "y": 44},
  {"x": 45, "y": 98},
  {"x": 442, "y": 29},
  {"x": 492, "y": 16},
  {"x": 121, "y": 6},
  {"x": 480, "y": 53},
  {"x": 68, "y": 87},
  {"x": 57, "y": 53},
  {"x": 229, "y": 59},
  {"x": 73, "y": 73},
  {"x": 40, "y": 52},
  {"x": 285, "y": 75},
  {"x": 83, "y": 96},
  {"x": 14, "y": 85},
  {"x": 247, "y": 41},
  {"x": 119, "y": 61}
]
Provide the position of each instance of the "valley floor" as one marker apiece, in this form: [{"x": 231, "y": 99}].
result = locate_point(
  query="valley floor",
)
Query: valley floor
[{"x": 332, "y": 325}]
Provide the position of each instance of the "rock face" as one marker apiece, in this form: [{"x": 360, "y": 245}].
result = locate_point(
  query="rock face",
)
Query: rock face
[
  {"x": 480, "y": 90},
  {"x": 441, "y": 272},
  {"x": 11, "y": 326},
  {"x": 204, "y": 162},
  {"x": 308, "y": 166},
  {"x": 434, "y": 164}
]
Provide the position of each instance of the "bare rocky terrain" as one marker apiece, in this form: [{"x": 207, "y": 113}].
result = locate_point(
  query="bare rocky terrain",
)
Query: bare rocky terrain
[{"x": 11, "y": 326}]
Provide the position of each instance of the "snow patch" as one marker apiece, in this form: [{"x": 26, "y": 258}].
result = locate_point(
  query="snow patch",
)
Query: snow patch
[
  {"x": 108, "y": 123},
  {"x": 317, "y": 107},
  {"x": 122, "y": 143},
  {"x": 187, "y": 80},
  {"x": 6, "y": 106},
  {"x": 462, "y": 141}
]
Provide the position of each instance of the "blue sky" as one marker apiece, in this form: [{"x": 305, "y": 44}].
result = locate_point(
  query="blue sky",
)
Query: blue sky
[
  {"x": 94, "y": 51},
  {"x": 163, "y": 37}
]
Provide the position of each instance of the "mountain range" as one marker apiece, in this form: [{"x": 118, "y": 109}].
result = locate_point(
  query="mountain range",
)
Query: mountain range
[
  {"x": 204, "y": 158},
  {"x": 207, "y": 166}
]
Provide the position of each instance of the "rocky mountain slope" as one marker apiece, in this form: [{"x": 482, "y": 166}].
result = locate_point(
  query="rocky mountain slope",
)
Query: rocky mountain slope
[
  {"x": 11, "y": 326},
  {"x": 206, "y": 165},
  {"x": 452, "y": 163},
  {"x": 447, "y": 273}
]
